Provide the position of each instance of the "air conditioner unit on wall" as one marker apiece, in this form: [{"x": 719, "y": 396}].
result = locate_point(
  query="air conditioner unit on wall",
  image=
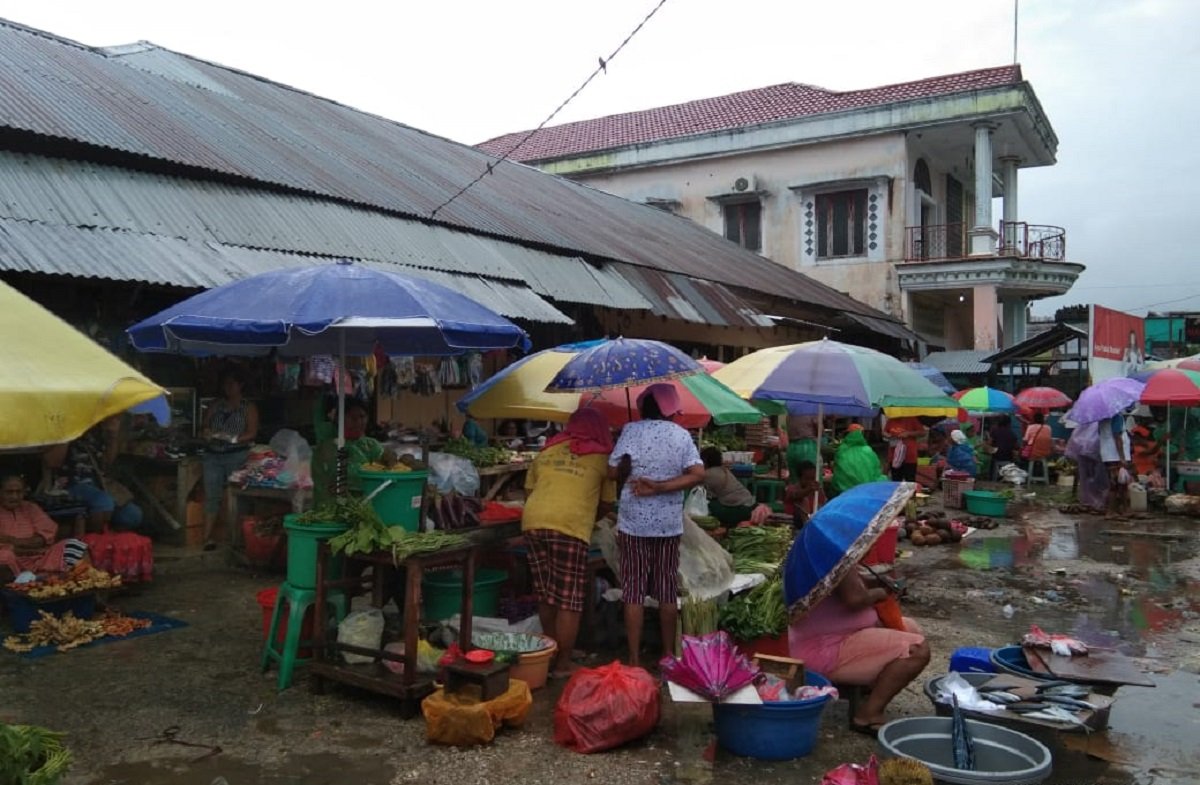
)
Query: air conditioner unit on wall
[{"x": 746, "y": 185}]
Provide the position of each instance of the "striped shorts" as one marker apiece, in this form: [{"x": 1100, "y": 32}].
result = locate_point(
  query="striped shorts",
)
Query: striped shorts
[{"x": 649, "y": 568}]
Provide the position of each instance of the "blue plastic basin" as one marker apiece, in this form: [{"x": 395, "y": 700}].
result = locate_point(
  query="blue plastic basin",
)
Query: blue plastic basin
[{"x": 772, "y": 731}]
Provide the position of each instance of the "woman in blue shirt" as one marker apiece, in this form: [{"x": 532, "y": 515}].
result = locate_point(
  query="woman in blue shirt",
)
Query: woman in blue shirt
[{"x": 961, "y": 456}]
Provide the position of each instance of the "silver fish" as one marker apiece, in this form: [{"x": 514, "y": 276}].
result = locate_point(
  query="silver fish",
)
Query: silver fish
[
  {"x": 1073, "y": 703},
  {"x": 1000, "y": 697},
  {"x": 1057, "y": 714},
  {"x": 1066, "y": 690}
]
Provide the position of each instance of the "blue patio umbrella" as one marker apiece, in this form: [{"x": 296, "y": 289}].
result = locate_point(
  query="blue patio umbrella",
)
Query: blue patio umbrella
[
  {"x": 836, "y": 538},
  {"x": 340, "y": 308},
  {"x": 933, "y": 375},
  {"x": 622, "y": 362}
]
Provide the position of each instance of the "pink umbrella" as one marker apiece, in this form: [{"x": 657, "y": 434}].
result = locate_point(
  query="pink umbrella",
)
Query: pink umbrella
[
  {"x": 710, "y": 365},
  {"x": 711, "y": 666},
  {"x": 1043, "y": 398}
]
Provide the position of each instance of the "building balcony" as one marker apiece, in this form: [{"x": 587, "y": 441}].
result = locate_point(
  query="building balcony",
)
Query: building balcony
[{"x": 1017, "y": 240}]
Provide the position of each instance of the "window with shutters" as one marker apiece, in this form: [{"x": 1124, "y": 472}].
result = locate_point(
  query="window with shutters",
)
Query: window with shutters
[
  {"x": 743, "y": 224},
  {"x": 842, "y": 223}
]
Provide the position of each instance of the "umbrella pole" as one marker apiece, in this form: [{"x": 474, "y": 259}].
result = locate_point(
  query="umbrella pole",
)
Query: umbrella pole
[
  {"x": 628, "y": 407},
  {"x": 341, "y": 484},
  {"x": 1169, "y": 440},
  {"x": 820, "y": 467}
]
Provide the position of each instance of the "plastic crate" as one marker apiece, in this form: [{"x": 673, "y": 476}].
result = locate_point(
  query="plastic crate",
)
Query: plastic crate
[
  {"x": 952, "y": 491},
  {"x": 23, "y": 610}
]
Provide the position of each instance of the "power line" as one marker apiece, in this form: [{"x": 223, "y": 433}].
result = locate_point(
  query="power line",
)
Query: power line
[
  {"x": 1166, "y": 302},
  {"x": 602, "y": 67}
]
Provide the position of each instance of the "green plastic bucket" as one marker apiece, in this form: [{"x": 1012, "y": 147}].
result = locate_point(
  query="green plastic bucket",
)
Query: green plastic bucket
[
  {"x": 441, "y": 593},
  {"x": 302, "y": 540},
  {"x": 399, "y": 504}
]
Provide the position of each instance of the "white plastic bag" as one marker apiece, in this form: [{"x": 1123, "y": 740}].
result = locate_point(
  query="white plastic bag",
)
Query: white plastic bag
[
  {"x": 451, "y": 473},
  {"x": 697, "y": 502},
  {"x": 705, "y": 568},
  {"x": 297, "y": 458},
  {"x": 361, "y": 628}
]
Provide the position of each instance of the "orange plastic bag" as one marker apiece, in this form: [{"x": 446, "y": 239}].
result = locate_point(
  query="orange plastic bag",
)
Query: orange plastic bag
[
  {"x": 889, "y": 613},
  {"x": 463, "y": 721},
  {"x": 605, "y": 707}
]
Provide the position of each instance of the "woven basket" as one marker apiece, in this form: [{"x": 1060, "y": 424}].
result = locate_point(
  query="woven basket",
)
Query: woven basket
[{"x": 952, "y": 490}]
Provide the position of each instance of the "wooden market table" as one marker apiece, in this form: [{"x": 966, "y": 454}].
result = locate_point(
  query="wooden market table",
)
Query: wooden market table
[
  {"x": 135, "y": 470},
  {"x": 498, "y": 477},
  {"x": 409, "y": 686},
  {"x": 237, "y": 498}
]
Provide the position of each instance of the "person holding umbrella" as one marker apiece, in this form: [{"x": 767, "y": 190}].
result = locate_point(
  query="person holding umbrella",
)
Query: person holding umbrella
[
  {"x": 839, "y": 628},
  {"x": 662, "y": 462}
]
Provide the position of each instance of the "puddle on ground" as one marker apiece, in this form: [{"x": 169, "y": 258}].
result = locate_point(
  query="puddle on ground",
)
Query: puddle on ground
[
  {"x": 1152, "y": 732},
  {"x": 1141, "y": 547},
  {"x": 315, "y": 769}
]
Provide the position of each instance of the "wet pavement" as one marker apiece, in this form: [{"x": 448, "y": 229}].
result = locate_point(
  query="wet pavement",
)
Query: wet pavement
[{"x": 1133, "y": 586}]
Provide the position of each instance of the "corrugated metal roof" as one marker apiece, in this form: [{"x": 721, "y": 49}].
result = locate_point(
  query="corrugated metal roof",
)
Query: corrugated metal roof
[
  {"x": 692, "y": 300},
  {"x": 165, "y": 106},
  {"x": 128, "y": 256},
  {"x": 969, "y": 361},
  {"x": 576, "y": 281}
]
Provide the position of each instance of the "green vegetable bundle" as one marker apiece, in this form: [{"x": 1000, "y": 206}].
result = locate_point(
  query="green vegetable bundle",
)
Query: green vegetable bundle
[
  {"x": 758, "y": 549},
  {"x": 482, "y": 457},
  {"x": 351, "y": 511},
  {"x": 368, "y": 533},
  {"x": 30, "y": 755},
  {"x": 757, "y": 613},
  {"x": 699, "y": 617}
]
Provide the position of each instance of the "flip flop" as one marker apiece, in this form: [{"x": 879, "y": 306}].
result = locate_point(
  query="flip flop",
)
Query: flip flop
[{"x": 866, "y": 729}]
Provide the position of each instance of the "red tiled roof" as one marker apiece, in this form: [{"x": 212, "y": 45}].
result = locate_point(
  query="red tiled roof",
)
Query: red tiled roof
[{"x": 736, "y": 110}]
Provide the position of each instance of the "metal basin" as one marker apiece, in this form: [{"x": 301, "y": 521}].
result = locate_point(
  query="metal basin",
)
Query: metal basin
[{"x": 1002, "y": 756}]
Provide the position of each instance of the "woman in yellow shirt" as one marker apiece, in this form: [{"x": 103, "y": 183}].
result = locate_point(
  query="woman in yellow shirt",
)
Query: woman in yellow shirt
[{"x": 568, "y": 485}]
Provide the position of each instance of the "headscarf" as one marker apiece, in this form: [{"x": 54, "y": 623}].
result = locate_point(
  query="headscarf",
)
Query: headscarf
[
  {"x": 665, "y": 395},
  {"x": 588, "y": 432},
  {"x": 958, "y": 436}
]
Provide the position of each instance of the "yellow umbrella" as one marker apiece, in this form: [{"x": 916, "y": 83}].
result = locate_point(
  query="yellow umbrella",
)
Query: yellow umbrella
[{"x": 57, "y": 382}]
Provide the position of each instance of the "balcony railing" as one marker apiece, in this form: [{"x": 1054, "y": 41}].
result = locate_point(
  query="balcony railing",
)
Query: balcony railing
[{"x": 939, "y": 242}]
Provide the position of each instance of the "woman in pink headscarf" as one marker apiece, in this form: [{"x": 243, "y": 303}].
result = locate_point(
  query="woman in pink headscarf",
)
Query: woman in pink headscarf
[{"x": 568, "y": 489}]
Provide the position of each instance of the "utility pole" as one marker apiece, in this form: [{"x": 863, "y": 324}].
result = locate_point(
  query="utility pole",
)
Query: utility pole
[{"x": 1016, "y": 4}]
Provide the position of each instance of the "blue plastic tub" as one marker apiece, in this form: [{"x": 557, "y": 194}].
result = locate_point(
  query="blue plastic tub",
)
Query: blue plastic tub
[
  {"x": 772, "y": 731},
  {"x": 23, "y": 610},
  {"x": 1011, "y": 659},
  {"x": 971, "y": 659}
]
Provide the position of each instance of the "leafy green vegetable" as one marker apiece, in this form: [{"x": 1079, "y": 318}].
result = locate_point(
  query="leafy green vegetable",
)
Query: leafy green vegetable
[
  {"x": 482, "y": 457},
  {"x": 758, "y": 548},
  {"x": 30, "y": 755},
  {"x": 757, "y": 613},
  {"x": 351, "y": 511},
  {"x": 698, "y": 617},
  {"x": 724, "y": 439}
]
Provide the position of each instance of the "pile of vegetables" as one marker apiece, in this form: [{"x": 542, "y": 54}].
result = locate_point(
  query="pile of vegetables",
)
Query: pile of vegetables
[
  {"x": 699, "y": 617},
  {"x": 482, "y": 457},
  {"x": 758, "y": 549},
  {"x": 30, "y": 755},
  {"x": 84, "y": 578},
  {"x": 724, "y": 439},
  {"x": 368, "y": 533},
  {"x": 757, "y": 613},
  {"x": 455, "y": 511},
  {"x": 68, "y": 632}
]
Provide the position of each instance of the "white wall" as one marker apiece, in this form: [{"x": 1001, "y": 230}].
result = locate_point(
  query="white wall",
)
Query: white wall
[{"x": 879, "y": 163}]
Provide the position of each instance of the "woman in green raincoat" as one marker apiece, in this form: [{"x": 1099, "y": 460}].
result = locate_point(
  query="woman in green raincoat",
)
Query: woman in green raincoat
[{"x": 855, "y": 462}]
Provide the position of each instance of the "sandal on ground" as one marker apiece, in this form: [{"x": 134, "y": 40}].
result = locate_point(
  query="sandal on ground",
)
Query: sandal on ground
[{"x": 866, "y": 729}]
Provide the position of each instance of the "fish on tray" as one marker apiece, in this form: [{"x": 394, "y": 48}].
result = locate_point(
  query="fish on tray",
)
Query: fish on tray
[{"x": 1062, "y": 645}]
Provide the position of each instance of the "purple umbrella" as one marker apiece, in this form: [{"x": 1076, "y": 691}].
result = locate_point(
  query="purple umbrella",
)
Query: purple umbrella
[{"x": 1105, "y": 399}]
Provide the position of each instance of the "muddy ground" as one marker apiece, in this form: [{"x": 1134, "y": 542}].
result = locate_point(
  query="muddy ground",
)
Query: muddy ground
[{"x": 1132, "y": 584}]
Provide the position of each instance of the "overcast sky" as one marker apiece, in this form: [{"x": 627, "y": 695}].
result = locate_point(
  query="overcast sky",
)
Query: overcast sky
[{"x": 1118, "y": 79}]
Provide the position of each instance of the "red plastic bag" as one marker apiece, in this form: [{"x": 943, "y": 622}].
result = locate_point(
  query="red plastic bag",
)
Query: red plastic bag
[
  {"x": 853, "y": 774},
  {"x": 605, "y": 707}
]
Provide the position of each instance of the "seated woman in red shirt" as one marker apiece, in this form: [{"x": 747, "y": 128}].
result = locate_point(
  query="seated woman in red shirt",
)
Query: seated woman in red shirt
[{"x": 27, "y": 535}]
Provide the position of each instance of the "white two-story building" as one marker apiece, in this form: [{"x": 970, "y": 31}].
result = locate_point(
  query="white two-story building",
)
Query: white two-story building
[{"x": 874, "y": 192}]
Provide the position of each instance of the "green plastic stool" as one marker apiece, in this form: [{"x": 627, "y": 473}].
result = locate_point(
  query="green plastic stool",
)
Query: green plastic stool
[
  {"x": 298, "y": 601},
  {"x": 771, "y": 489}
]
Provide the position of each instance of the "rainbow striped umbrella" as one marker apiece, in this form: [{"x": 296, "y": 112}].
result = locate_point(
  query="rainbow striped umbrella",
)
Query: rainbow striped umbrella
[{"x": 986, "y": 400}]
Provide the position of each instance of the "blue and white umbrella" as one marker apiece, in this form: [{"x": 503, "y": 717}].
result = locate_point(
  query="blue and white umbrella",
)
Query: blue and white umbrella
[{"x": 340, "y": 309}]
